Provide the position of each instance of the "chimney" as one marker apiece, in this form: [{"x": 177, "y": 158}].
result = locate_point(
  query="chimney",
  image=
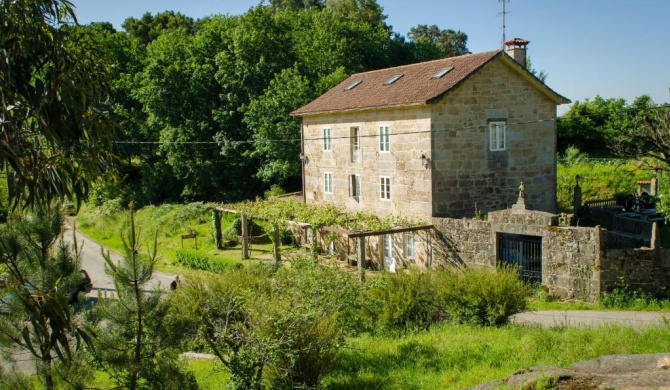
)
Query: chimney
[{"x": 516, "y": 48}]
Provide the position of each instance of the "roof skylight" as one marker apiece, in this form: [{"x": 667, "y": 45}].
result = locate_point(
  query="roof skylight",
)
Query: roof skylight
[
  {"x": 441, "y": 73},
  {"x": 352, "y": 85},
  {"x": 393, "y": 79}
]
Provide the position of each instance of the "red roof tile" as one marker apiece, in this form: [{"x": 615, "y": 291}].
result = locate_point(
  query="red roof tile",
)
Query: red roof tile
[{"x": 416, "y": 86}]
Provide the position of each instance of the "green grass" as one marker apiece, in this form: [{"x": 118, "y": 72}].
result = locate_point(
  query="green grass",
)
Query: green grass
[
  {"x": 453, "y": 357},
  {"x": 209, "y": 373},
  {"x": 171, "y": 222},
  {"x": 600, "y": 179}
]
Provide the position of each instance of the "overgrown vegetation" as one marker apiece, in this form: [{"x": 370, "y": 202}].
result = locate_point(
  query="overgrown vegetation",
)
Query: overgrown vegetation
[{"x": 598, "y": 178}]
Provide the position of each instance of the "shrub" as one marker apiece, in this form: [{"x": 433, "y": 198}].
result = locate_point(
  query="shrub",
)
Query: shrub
[
  {"x": 272, "y": 330},
  {"x": 418, "y": 300},
  {"x": 196, "y": 260},
  {"x": 485, "y": 297},
  {"x": 405, "y": 301}
]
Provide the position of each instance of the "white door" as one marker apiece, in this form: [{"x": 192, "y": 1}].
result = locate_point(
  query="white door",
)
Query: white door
[{"x": 389, "y": 261}]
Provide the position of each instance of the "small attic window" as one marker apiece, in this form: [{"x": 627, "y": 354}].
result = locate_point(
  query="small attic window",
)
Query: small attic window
[
  {"x": 393, "y": 79},
  {"x": 441, "y": 73},
  {"x": 352, "y": 85}
]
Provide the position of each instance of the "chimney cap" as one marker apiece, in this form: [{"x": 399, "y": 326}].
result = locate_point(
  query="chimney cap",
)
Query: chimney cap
[{"x": 517, "y": 42}]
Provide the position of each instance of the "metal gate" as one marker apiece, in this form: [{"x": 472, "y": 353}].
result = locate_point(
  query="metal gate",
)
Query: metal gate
[{"x": 523, "y": 252}]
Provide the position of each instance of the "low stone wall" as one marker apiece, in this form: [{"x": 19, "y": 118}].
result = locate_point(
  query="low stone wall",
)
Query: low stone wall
[
  {"x": 462, "y": 242},
  {"x": 570, "y": 261},
  {"x": 645, "y": 269},
  {"x": 569, "y": 254},
  {"x": 575, "y": 261}
]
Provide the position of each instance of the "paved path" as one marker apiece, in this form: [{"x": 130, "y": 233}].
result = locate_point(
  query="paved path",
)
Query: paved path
[
  {"x": 554, "y": 318},
  {"x": 94, "y": 264}
]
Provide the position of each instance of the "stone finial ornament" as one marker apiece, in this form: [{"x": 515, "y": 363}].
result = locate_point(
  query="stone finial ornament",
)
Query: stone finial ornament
[{"x": 522, "y": 191}]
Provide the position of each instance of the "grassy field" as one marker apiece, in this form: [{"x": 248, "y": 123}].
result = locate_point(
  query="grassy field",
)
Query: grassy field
[
  {"x": 170, "y": 222},
  {"x": 454, "y": 357}
]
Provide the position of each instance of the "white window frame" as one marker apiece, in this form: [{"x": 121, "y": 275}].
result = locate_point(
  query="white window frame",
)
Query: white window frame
[
  {"x": 327, "y": 139},
  {"x": 410, "y": 253},
  {"x": 355, "y": 186},
  {"x": 497, "y": 135},
  {"x": 327, "y": 183},
  {"x": 385, "y": 187},
  {"x": 385, "y": 138},
  {"x": 355, "y": 141}
]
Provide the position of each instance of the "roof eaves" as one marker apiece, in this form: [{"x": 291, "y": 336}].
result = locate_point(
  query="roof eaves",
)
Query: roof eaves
[{"x": 381, "y": 107}]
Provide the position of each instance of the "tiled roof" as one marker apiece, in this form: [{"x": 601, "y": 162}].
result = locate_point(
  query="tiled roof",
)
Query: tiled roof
[
  {"x": 416, "y": 86},
  {"x": 516, "y": 42}
]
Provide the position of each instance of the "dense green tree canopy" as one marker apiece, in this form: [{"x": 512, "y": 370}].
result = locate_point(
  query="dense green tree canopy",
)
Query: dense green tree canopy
[
  {"x": 148, "y": 28},
  {"x": 596, "y": 126},
  {"x": 450, "y": 42}
]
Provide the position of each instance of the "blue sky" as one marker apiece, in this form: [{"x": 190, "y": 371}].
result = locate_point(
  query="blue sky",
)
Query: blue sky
[{"x": 611, "y": 48}]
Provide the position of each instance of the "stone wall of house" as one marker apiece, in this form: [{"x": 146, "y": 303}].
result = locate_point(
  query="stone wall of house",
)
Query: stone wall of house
[
  {"x": 410, "y": 179},
  {"x": 467, "y": 177}
]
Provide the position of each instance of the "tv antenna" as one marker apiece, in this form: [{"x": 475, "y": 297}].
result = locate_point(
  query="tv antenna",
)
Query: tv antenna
[{"x": 503, "y": 13}]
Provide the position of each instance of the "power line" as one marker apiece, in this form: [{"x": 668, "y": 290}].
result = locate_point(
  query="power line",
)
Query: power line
[{"x": 292, "y": 140}]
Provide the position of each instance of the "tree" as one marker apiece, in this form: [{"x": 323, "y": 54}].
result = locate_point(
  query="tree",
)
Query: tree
[
  {"x": 358, "y": 11},
  {"x": 44, "y": 273},
  {"x": 647, "y": 139},
  {"x": 540, "y": 74},
  {"x": 277, "y": 135},
  {"x": 593, "y": 125},
  {"x": 450, "y": 42},
  {"x": 149, "y": 27},
  {"x": 53, "y": 85},
  {"x": 134, "y": 347},
  {"x": 296, "y": 5}
]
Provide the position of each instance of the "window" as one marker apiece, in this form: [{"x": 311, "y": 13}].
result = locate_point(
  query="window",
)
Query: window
[
  {"x": 384, "y": 139},
  {"x": 352, "y": 85},
  {"x": 385, "y": 189},
  {"x": 441, "y": 73},
  {"x": 328, "y": 183},
  {"x": 327, "y": 142},
  {"x": 409, "y": 245},
  {"x": 355, "y": 187},
  {"x": 355, "y": 140},
  {"x": 497, "y": 135},
  {"x": 393, "y": 79}
]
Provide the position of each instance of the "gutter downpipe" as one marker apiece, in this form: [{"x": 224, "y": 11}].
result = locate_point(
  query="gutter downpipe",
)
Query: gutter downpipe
[{"x": 302, "y": 161}]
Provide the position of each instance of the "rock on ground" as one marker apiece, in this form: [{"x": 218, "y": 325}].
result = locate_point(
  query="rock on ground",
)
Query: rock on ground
[{"x": 616, "y": 372}]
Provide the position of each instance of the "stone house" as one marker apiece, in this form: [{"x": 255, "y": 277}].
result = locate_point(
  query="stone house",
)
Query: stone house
[{"x": 446, "y": 138}]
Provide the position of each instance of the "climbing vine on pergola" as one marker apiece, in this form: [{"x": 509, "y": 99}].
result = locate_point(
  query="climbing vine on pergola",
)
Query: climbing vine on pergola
[{"x": 320, "y": 217}]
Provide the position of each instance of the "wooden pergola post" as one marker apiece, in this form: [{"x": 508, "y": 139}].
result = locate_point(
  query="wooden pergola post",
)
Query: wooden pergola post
[
  {"x": 361, "y": 258},
  {"x": 275, "y": 245},
  {"x": 245, "y": 238}
]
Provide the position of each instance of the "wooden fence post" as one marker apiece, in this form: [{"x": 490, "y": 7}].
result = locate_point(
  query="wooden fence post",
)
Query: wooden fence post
[{"x": 245, "y": 238}]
